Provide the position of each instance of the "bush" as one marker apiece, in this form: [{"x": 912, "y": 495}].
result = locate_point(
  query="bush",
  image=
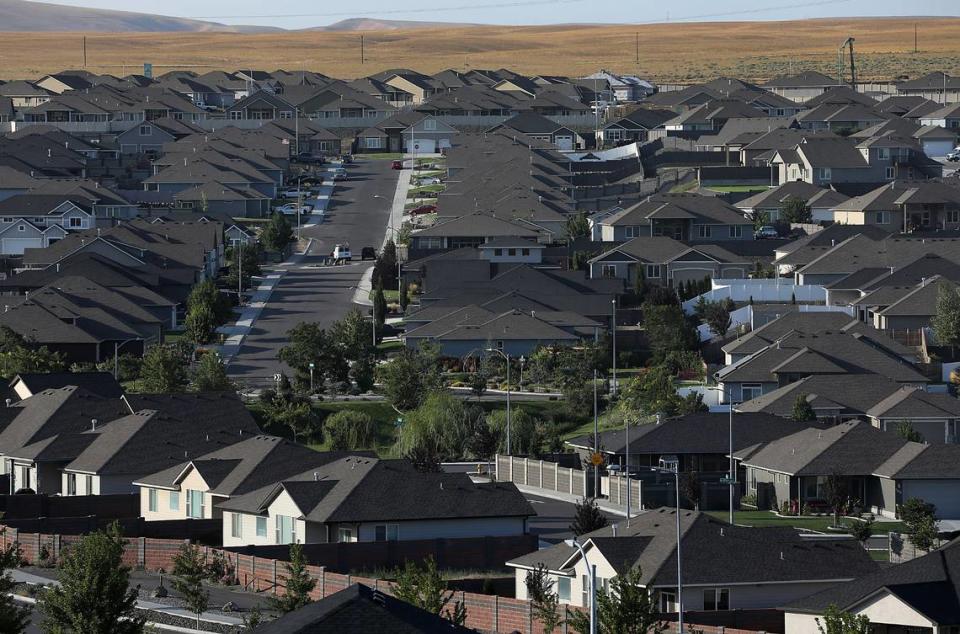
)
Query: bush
[{"x": 349, "y": 429}]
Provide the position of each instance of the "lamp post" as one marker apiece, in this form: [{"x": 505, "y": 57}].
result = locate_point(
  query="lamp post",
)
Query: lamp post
[
  {"x": 732, "y": 473},
  {"x": 613, "y": 384},
  {"x": 311, "y": 377},
  {"x": 676, "y": 478},
  {"x": 522, "y": 360},
  {"x": 506, "y": 357},
  {"x": 116, "y": 355},
  {"x": 593, "y": 583}
]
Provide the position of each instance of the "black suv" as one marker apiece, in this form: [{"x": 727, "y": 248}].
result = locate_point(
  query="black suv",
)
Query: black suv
[{"x": 368, "y": 253}]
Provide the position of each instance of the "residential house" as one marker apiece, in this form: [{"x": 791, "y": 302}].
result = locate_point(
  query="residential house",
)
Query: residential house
[
  {"x": 364, "y": 499},
  {"x": 635, "y": 126},
  {"x": 904, "y": 205},
  {"x": 824, "y": 161},
  {"x": 947, "y": 117},
  {"x": 262, "y": 105},
  {"x": 667, "y": 262},
  {"x": 724, "y": 567},
  {"x": 468, "y": 231},
  {"x": 24, "y": 94},
  {"x": 802, "y": 86},
  {"x": 625, "y": 87},
  {"x": 936, "y": 86},
  {"x": 26, "y": 384},
  {"x": 541, "y": 128},
  {"x": 768, "y": 204},
  {"x": 711, "y": 116},
  {"x": 687, "y": 217}
]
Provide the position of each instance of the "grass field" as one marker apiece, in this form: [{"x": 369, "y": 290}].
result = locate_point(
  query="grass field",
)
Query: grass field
[
  {"x": 667, "y": 52},
  {"x": 819, "y": 524}
]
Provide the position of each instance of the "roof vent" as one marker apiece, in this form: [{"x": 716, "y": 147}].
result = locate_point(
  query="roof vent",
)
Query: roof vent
[
  {"x": 9, "y": 401},
  {"x": 781, "y": 556},
  {"x": 93, "y": 424},
  {"x": 613, "y": 527},
  {"x": 721, "y": 531},
  {"x": 441, "y": 485},
  {"x": 316, "y": 476}
]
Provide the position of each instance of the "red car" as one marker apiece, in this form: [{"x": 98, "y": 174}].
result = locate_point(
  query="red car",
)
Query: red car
[
  {"x": 422, "y": 209},
  {"x": 397, "y": 165}
]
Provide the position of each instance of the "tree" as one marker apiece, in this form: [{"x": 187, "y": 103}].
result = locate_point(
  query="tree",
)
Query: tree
[
  {"x": 640, "y": 284},
  {"x": 836, "y": 621},
  {"x": 19, "y": 356},
  {"x": 627, "y": 607},
  {"x": 189, "y": 571},
  {"x": 379, "y": 307},
  {"x": 93, "y": 596},
  {"x": 478, "y": 382},
  {"x": 425, "y": 588},
  {"x": 13, "y": 616},
  {"x": 795, "y": 210},
  {"x": 525, "y": 431},
  {"x": 690, "y": 488},
  {"x": 906, "y": 431},
  {"x": 163, "y": 370},
  {"x": 802, "y": 410},
  {"x": 919, "y": 521},
  {"x": 861, "y": 530},
  {"x": 294, "y": 413},
  {"x": 587, "y": 517},
  {"x": 718, "y": 318},
  {"x": 309, "y": 343},
  {"x": 211, "y": 375},
  {"x": 544, "y": 600},
  {"x": 437, "y": 430},
  {"x": 200, "y": 325},
  {"x": 946, "y": 321},
  {"x": 410, "y": 375},
  {"x": 385, "y": 268},
  {"x": 667, "y": 329},
  {"x": 404, "y": 298},
  {"x": 244, "y": 263},
  {"x": 650, "y": 392},
  {"x": 836, "y": 496},
  {"x": 299, "y": 583},
  {"x": 277, "y": 234},
  {"x": 577, "y": 226},
  {"x": 206, "y": 294},
  {"x": 691, "y": 404},
  {"x": 349, "y": 429}
]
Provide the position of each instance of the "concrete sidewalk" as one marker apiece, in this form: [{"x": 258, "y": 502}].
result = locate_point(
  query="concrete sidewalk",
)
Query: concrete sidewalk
[{"x": 362, "y": 295}]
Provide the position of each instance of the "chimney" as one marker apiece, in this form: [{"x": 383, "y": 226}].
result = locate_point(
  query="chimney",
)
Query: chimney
[{"x": 93, "y": 424}]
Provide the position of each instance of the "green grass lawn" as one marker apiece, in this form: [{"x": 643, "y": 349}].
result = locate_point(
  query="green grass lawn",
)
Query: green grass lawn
[
  {"x": 382, "y": 156},
  {"x": 391, "y": 295},
  {"x": 813, "y": 523},
  {"x": 737, "y": 188},
  {"x": 386, "y": 347},
  {"x": 174, "y": 336},
  {"x": 415, "y": 192}
]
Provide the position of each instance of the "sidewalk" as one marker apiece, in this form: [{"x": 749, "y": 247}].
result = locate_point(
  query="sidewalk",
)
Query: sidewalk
[{"x": 362, "y": 295}]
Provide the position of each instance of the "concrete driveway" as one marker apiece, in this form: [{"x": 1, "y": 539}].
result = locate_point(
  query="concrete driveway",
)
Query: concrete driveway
[{"x": 357, "y": 214}]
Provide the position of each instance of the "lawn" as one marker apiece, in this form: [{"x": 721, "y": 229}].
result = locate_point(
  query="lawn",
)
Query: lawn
[
  {"x": 415, "y": 192},
  {"x": 386, "y": 347},
  {"x": 391, "y": 295},
  {"x": 383, "y": 156},
  {"x": 380, "y": 411},
  {"x": 812, "y": 523},
  {"x": 737, "y": 188}
]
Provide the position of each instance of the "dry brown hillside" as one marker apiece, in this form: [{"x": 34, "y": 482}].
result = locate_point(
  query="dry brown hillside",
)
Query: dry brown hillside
[{"x": 668, "y": 52}]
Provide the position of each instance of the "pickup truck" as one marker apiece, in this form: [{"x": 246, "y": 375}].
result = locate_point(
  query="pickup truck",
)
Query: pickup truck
[{"x": 342, "y": 252}]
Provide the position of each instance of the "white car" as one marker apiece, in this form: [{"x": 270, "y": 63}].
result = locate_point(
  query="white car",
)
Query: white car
[
  {"x": 342, "y": 252},
  {"x": 290, "y": 209},
  {"x": 954, "y": 156},
  {"x": 295, "y": 193}
]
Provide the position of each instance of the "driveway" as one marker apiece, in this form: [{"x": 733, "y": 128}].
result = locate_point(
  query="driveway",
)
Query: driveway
[{"x": 357, "y": 214}]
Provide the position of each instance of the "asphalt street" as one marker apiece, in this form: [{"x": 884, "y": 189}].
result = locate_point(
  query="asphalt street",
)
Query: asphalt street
[
  {"x": 552, "y": 523},
  {"x": 357, "y": 214}
]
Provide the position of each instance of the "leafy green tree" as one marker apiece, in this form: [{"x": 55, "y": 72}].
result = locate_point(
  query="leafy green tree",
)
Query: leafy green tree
[
  {"x": 667, "y": 330},
  {"x": 211, "y": 375},
  {"x": 93, "y": 596},
  {"x": 437, "y": 430},
  {"x": 293, "y": 413},
  {"x": 350, "y": 429},
  {"x": 577, "y": 226},
  {"x": 691, "y": 404},
  {"x": 128, "y": 367},
  {"x": 650, "y": 392},
  {"x": 379, "y": 307},
  {"x": 299, "y": 583},
  {"x": 478, "y": 382},
  {"x": 795, "y": 210},
  {"x": 18, "y": 356},
  {"x": 277, "y": 234},
  {"x": 14, "y": 617},
  {"x": 718, "y": 318},
  {"x": 946, "y": 321},
  {"x": 189, "y": 571},
  {"x": 525, "y": 431},
  {"x": 836, "y": 621},
  {"x": 385, "y": 268},
  {"x": 200, "y": 324},
  {"x": 244, "y": 263},
  {"x": 425, "y": 588},
  {"x": 309, "y": 343},
  {"x": 587, "y": 517},
  {"x": 861, "y": 530},
  {"x": 206, "y": 294},
  {"x": 410, "y": 375},
  {"x": 640, "y": 284},
  {"x": 920, "y": 523},
  {"x": 404, "y": 298},
  {"x": 626, "y": 607},
  {"x": 802, "y": 410},
  {"x": 543, "y": 599},
  {"x": 163, "y": 370},
  {"x": 906, "y": 431}
]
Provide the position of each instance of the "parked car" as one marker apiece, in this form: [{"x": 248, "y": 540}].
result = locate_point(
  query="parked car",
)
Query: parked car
[
  {"x": 347, "y": 159},
  {"x": 342, "y": 252},
  {"x": 295, "y": 193},
  {"x": 368, "y": 253},
  {"x": 290, "y": 209},
  {"x": 954, "y": 156},
  {"x": 432, "y": 180},
  {"x": 340, "y": 174},
  {"x": 307, "y": 157},
  {"x": 422, "y": 209},
  {"x": 766, "y": 232},
  {"x": 396, "y": 165}
]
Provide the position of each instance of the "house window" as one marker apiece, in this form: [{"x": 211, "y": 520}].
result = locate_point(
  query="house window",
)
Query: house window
[
  {"x": 751, "y": 391},
  {"x": 889, "y": 172},
  {"x": 563, "y": 588},
  {"x": 953, "y": 216},
  {"x": 883, "y": 153},
  {"x": 286, "y": 531},
  {"x": 430, "y": 124},
  {"x": 261, "y": 527},
  {"x": 703, "y": 231},
  {"x": 236, "y": 114},
  {"x": 498, "y": 252},
  {"x": 716, "y": 599},
  {"x": 631, "y": 231},
  {"x": 146, "y": 130},
  {"x": 653, "y": 271},
  {"x": 236, "y": 525},
  {"x": 585, "y": 588},
  {"x": 736, "y": 231},
  {"x": 286, "y": 114},
  {"x": 608, "y": 270},
  {"x": 525, "y": 252},
  {"x": 20, "y": 228},
  {"x": 500, "y": 344},
  {"x": 71, "y": 484},
  {"x": 826, "y": 174},
  {"x": 88, "y": 482},
  {"x": 372, "y": 142},
  {"x": 194, "y": 504},
  {"x": 512, "y": 252},
  {"x": 668, "y": 601},
  {"x": 152, "y": 500},
  {"x": 387, "y": 532},
  {"x": 345, "y": 535},
  {"x": 76, "y": 222},
  {"x": 883, "y": 217}
]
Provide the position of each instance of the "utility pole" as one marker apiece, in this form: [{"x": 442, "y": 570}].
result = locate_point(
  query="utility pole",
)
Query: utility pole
[
  {"x": 240, "y": 273},
  {"x": 84, "y": 51},
  {"x": 361, "y": 49},
  {"x": 914, "y": 38},
  {"x": 638, "y": 49}
]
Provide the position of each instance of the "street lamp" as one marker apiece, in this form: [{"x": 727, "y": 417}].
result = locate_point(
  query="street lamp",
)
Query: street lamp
[
  {"x": 116, "y": 353},
  {"x": 592, "y": 576},
  {"x": 613, "y": 384},
  {"x": 732, "y": 473},
  {"x": 522, "y": 360},
  {"x": 506, "y": 356},
  {"x": 676, "y": 478},
  {"x": 311, "y": 377}
]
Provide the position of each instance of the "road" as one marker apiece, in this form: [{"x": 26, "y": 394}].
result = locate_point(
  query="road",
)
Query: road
[
  {"x": 552, "y": 523},
  {"x": 357, "y": 214}
]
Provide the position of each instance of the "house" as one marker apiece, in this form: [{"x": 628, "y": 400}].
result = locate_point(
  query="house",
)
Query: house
[
  {"x": 920, "y": 595},
  {"x": 468, "y": 231},
  {"x": 149, "y": 137},
  {"x": 362, "y": 499},
  {"x": 801, "y": 87},
  {"x": 14, "y": 182},
  {"x": 667, "y": 262},
  {"x": 768, "y": 204},
  {"x": 724, "y": 567},
  {"x": 879, "y": 468},
  {"x": 262, "y": 105},
  {"x": 635, "y": 126},
  {"x": 936, "y": 86},
  {"x": 904, "y": 205},
  {"x": 947, "y": 117},
  {"x": 411, "y": 132},
  {"x": 823, "y": 161},
  {"x": 540, "y": 128},
  {"x": 360, "y": 608},
  {"x": 687, "y": 217},
  {"x": 711, "y": 116},
  {"x": 195, "y": 488},
  {"x": 625, "y": 87},
  {"x": 26, "y": 384},
  {"x": 803, "y": 251},
  {"x": 24, "y": 94}
]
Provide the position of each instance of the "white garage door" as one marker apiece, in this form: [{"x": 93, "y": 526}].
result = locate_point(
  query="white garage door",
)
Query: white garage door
[
  {"x": 945, "y": 494},
  {"x": 937, "y": 148},
  {"x": 565, "y": 142},
  {"x": 15, "y": 246},
  {"x": 423, "y": 146}
]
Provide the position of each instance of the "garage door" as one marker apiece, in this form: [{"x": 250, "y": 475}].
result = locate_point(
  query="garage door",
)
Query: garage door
[
  {"x": 423, "y": 146},
  {"x": 15, "y": 246},
  {"x": 689, "y": 275},
  {"x": 945, "y": 494},
  {"x": 565, "y": 142}
]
